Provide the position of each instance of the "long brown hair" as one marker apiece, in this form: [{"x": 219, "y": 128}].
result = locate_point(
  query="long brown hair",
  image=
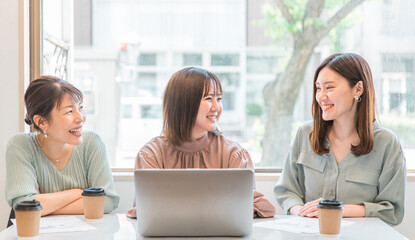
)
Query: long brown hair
[
  {"x": 181, "y": 102},
  {"x": 354, "y": 69},
  {"x": 44, "y": 94}
]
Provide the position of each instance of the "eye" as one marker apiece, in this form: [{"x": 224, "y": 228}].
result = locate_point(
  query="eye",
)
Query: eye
[
  {"x": 318, "y": 89},
  {"x": 219, "y": 99},
  {"x": 69, "y": 112},
  {"x": 208, "y": 98}
]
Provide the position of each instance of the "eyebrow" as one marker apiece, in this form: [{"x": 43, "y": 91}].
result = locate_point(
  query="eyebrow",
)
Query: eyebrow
[{"x": 328, "y": 82}]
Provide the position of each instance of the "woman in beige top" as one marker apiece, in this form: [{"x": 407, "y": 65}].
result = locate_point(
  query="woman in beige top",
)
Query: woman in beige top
[{"x": 192, "y": 106}]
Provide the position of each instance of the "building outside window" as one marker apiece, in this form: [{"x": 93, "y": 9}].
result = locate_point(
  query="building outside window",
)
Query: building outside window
[{"x": 131, "y": 48}]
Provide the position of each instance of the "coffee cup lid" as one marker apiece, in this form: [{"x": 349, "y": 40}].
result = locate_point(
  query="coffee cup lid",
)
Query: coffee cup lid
[
  {"x": 330, "y": 204},
  {"x": 93, "y": 192},
  {"x": 28, "y": 206}
]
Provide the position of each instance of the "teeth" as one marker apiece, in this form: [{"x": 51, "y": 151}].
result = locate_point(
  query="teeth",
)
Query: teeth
[
  {"x": 211, "y": 117},
  {"x": 75, "y": 131},
  {"x": 327, "y": 106}
]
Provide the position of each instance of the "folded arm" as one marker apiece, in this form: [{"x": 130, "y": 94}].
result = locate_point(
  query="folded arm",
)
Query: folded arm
[{"x": 65, "y": 202}]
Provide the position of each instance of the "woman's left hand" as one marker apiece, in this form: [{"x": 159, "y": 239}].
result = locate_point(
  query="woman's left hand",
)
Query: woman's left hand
[{"x": 310, "y": 209}]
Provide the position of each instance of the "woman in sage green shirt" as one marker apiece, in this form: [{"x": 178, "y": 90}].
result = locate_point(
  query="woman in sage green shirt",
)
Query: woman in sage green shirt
[
  {"x": 56, "y": 162},
  {"x": 344, "y": 153}
]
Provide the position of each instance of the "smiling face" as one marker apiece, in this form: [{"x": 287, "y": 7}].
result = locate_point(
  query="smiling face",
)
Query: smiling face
[
  {"x": 66, "y": 120},
  {"x": 335, "y": 96},
  {"x": 209, "y": 113}
]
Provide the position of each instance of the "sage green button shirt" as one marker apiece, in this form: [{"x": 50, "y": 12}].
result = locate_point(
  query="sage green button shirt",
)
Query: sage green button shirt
[{"x": 376, "y": 180}]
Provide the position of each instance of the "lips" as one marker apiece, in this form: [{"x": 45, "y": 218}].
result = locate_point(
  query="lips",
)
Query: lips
[
  {"x": 327, "y": 106},
  {"x": 76, "y": 130}
]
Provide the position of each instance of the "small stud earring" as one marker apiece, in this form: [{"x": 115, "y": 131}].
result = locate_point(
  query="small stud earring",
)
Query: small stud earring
[{"x": 357, "y": 98}]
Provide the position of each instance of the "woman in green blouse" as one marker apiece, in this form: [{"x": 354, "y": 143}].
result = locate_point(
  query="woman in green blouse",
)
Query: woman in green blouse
[
  {"x": 58, "y": 160},
  {"x": 344, "y": 153}
]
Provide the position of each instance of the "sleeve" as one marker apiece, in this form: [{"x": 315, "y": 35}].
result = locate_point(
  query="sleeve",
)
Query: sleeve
[
  {"x": 21, "y": 179},
  {"x": 389, "y": 203},
  {"x": 262, "y": 207},
  {"x": 289, "y": 190},
  {"x": 99, "y": 173},
  {"x": 146, "y": 160}
]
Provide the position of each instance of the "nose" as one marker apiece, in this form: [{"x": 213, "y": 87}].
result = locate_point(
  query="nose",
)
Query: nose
[
  {"x": 80, "y": 116},
  {"x": 322, "y": 95},
  {"x": 214, "y": 107}
]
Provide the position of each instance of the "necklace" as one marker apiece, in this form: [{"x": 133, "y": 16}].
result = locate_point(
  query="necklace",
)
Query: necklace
[{"x": 47, "y": 155}]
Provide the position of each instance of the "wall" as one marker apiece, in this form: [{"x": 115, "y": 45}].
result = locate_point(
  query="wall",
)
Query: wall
[
  {"x": 9, "y": 97},
  {"x": 265, "y": 184}
]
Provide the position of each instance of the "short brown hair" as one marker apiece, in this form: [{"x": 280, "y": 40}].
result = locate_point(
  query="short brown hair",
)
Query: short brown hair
[
  {"x": 44, "y": 94},
  {"x": 181, "y": 102},
  {"x": 354, "y": 69}
]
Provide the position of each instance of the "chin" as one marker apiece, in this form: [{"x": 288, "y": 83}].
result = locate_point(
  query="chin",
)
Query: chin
[
  {"x": 327, "y": 118},
  {"x": 76, "y": 142}
]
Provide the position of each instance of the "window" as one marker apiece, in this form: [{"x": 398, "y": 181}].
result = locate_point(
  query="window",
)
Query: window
[
  {"x": 147, "y": 59},
  {"x": 188, "y": 59},
  {"x": 125, "y": 53},
  {"x": 225, "y": 59},
  {"x": 87, "y": 84}
]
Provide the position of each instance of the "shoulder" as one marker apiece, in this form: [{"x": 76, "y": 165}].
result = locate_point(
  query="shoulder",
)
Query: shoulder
[
  {"x": 306, "y": 128},
  {"x": 225, "y": 143},
  {"x": 21, "y": 139},
  {"x": 91, "y": 138},
  {"x": 383, "y": 133},
  {"x": 156, "y": 144},
  {"x": 384, "y": 137},
  {"x": 91, "y": 141},
  {"x": 301, "y": 142}
]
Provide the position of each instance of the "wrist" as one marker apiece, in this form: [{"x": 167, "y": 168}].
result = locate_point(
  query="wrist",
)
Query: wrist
[
  {"x": 351, "y": 210},
  {"x": 294, "y": 209}
]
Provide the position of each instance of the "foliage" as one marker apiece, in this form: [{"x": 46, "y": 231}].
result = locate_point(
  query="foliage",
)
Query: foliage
[
  {"x": 277, "y": 26},
  {"x": 279, "y": 29},
  {"x": 254, "y": 109},
  {"x": 337, "y": 33}
]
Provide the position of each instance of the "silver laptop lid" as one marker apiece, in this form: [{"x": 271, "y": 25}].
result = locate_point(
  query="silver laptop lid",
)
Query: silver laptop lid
[{"x": 194, "y": 202}]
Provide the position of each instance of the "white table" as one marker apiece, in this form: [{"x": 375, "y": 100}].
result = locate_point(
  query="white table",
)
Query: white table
[{"x": 120, "y": 227}]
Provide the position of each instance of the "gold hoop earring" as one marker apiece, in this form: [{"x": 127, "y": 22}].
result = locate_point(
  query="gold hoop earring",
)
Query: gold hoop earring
[{"x": 357, "y": 98}]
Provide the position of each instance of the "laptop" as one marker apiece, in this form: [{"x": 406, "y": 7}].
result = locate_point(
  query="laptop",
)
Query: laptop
[{"x": 194, "y": 202}]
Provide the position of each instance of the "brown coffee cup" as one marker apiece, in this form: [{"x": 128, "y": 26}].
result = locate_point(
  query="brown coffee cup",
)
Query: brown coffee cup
[
  {"x": 330, "y": 214},
  {"x": 94, "y": 200},
  {"x": 27, "y": 218}
]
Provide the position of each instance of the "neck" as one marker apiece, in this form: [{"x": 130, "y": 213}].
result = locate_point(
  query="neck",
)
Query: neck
[
  {"x": 198, "y": 135},
  {"x": 345, "y": 126},
  {"x": 342, "y": 131},
  {"x": 53, "y": 149}
]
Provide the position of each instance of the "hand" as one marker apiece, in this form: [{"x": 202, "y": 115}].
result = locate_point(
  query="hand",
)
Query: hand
[
  {"x": 310, "y": 209},
  {"x": 132, "y": 213},
  {"x": 294, "y": 209}
]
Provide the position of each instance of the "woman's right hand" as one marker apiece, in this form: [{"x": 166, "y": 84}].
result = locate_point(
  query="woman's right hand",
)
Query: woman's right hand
[{"x": 132, "y": 213}]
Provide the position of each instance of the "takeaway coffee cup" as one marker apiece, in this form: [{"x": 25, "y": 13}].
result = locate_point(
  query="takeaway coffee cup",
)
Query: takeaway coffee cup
[
  {"x": 94, "y": 199},
  {"x": 330, "y": 214},
  {"x": 28, "y": 219}
]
